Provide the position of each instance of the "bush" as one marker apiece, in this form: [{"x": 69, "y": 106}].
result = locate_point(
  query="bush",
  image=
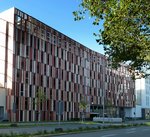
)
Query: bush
[
  {"x": 70, "y": 130},
  {"x": 4, "y": 135},
  {"x": 52, "y": 132},
  {"x": 58, "y": 129},
  {"x": 80, "y": 128},
  {"x": 45, "y": 132},
  {"x": 75, "y": 119},
  {"x": 14, "y": 125},
  {"x": 99, "y": 127},
  {"x": 87, "y": 128},
  {"x": 13, "y": 134},
  {"x": 40, "y": 132}
]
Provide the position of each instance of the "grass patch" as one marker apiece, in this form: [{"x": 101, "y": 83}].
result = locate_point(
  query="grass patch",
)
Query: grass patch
[
  {"x": 9, "y": 125},
  {"x": 147, "y": 123},
  {"x": 87, "y": 122}
]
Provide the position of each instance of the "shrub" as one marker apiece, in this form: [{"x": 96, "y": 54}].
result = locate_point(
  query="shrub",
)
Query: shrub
[
  {"x": 52, "y": 132},
  {"x": 39, "y": 132},
  {"x": 14, "y": 125},
  {"x": 70, "y": 130},
  {"x": 99, "y": 127},
  {"x": 58, "y": 129},
  {"x": 13, "y": 134},
  {"x": 45, "y": 132},
  {"x": 4, "y": 135},
  {"x": 80, "y": 128},
  {"x": 87, "y": 128}
]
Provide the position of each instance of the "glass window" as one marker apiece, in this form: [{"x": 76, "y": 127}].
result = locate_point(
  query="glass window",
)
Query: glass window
[
  {"x": 18, "y": 19},
  {"x": 21, "y": 87}
]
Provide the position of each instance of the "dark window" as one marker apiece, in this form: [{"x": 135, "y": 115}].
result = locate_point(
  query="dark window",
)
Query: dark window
[
  {"x": 27, "y": 38},
  {"x": 62, "y": 54},
  {"x": 65, "y": 106},
  {"x": 42, "y": 56},
  {"x": 44, "y": 69},
  {"x": 27, "y": 51},
  {"x": 21, "y": 93},
  {"x": 51, "y": 95},
  {"x": 30, "y": 91},
  {"x": 45, "y": 46},
  {"x": 21, "y": 115},
  {"x": 18, "y": 75},
  {"x": 27, "y": 78},
  {"x": 34, "y": 54},
  {"x": 33, "y": 104},
  {"x": 65, "y": 85},
  {"x": 26, "y": 103},
  {"x": 59, "y": 84},
  {"x": 54, "y": 105},
  {"x": 47, "y": 81},
  {"x": 31, "y": 40},
  {"x": 29, "y": 115},
  {"x": 67, "y": 95},
  {"x": 61, "y": 95},
  {"x": 21, "y": 87},
  {"x": 23, "y": 36},
  {"x": 54, "y": 83},
  {"x": 51, "y": 48},
  {"x": 22, "y": 64},
  {"x": 48, "y": 107},
  {"x": 30, "y": 65},
  {"x": 41, "y": 105},
  {"x": 34, "y": 79},
  {"x": 41, "y": 80},
  {"x": 17, "y": 102},
  {"x": 17, "y": 48},
  {"x": 38, "y": 44},
  {"x": 57, "y": 95},
  {"x": 38, "y": 67},
  {"x": 50, "y": 69},
  {"x": 48, "y": 59},
  {"x": 54, "y": 62}
]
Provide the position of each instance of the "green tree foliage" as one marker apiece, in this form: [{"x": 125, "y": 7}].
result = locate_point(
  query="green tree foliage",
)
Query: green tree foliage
[
  {"x": 110, "y": 108},
  {"x": 40, "y": 96},
  {"x": 82, "y": 106},
  {"x": 126, "y": 31},
  {"x": 40, "y": 99}
]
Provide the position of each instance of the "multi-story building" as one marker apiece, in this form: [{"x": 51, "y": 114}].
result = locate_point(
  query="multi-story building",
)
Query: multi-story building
[
  {"x": 35, "y": 56},
  {"x": 142, "y": 91}
]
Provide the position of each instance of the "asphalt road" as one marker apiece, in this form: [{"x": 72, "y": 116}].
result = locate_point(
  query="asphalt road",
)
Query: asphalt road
[{"x": 126, "y": 132}]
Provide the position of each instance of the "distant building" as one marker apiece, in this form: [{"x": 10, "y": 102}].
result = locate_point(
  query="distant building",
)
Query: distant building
[
  {"x": 142, "y": 91},
  {"x": 34, "y": 55}
]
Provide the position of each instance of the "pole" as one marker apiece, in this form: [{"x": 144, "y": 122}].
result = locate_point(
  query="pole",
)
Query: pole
[
  {"x": 59, "y": 112},
  {"x": 103, "y": 107}
]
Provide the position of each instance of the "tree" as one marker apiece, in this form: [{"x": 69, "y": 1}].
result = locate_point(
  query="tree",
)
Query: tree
[
  {"x": 39, "y": 100},
  {"x": 83, "y": 105},
  {"x": 126, "y": 31},
  {"x": 110, "y": 108}
]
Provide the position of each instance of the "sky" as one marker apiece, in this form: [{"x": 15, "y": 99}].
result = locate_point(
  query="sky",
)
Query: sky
[{"x": 58, "y": 15}]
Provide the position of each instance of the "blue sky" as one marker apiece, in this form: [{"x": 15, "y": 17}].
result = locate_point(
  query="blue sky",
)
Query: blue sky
[{"x": 58, "y": 14}]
